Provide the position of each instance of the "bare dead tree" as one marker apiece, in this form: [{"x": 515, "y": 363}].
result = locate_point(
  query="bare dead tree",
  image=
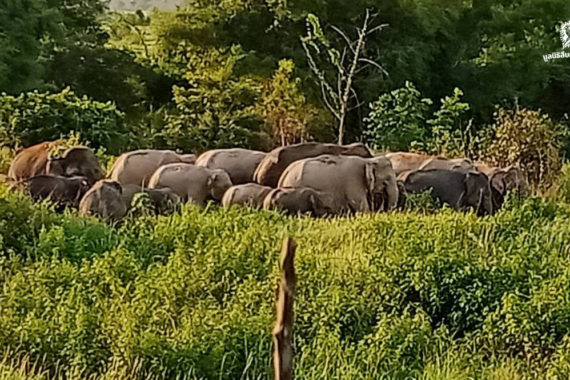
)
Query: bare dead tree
[
  {"x": 283, "y": 330},
  {"x": 339, "y": 97}
]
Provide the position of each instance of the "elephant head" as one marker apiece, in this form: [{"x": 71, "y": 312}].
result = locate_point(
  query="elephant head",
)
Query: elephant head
[
  {"x": 78, "y": 161},
  {"x": 477, "y": 193},
  {"x": 218, "y": 182},
  {"x": 505, "y": 180},
  {"x": 164, "y": 200},
  {"x": 105, "y": 200},
  {"x": 509, "y": 179},
  {"x": 381, "y": 184}
]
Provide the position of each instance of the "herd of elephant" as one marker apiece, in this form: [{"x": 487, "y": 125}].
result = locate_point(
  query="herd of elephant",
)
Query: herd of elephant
[{"x": 308, "y": 178}]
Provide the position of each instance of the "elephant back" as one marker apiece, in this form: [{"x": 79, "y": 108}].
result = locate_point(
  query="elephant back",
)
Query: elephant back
[
  {"x": 275, "y": 162},
  {"x": 29, "y": 162}
]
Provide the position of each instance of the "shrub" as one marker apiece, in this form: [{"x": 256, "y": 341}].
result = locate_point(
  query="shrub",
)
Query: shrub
[
  {"x": 191, "y": 295},
  {"x": 529, "y": 139},
  {"x": 450, "y": 134},
  {"x": 34, "y": 117},
  {"x": 6, "y": 156},
  {"x": 423, "y": 202},
  {"x": 397, "y": 119}
]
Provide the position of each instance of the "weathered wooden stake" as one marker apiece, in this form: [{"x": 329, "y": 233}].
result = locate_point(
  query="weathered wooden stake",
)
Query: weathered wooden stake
[{"x": 283, "y": 331}]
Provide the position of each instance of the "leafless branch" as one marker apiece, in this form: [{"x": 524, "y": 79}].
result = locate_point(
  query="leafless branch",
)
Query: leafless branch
[{"x": 344, "y": 36}]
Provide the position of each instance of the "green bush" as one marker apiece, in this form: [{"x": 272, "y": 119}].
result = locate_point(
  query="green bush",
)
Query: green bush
[
  {"x": 450, "y": 128},
  {"x": 6, "y": 156},
  {"x": 191, "y": 295},
  {"x": 403, "y": 120},
  {"x": 397, "y": 119},
  {"x": 34, "y": 117}
]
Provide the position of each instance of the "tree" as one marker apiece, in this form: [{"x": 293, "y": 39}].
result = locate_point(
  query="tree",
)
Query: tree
[
  {"x": 338, "y": 97},
  {"x": 24, "y": 26}
]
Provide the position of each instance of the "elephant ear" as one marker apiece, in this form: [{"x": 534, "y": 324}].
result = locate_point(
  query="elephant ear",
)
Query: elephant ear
[
  {"x": 498, "y": 182},
  {"x": 211, "y": 179}
]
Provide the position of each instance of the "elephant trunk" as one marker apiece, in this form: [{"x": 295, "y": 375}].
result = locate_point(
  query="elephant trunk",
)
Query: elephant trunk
[{"x": 392, "y": 194}]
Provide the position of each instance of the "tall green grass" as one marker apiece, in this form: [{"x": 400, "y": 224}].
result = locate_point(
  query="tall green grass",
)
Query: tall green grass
[{"x": 190, "y": 295}]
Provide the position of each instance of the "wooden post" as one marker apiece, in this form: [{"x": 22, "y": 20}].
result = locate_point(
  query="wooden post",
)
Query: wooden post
[{"x": 283, "y": 331}]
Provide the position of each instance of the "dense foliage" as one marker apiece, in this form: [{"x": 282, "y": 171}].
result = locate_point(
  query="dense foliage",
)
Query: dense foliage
[
  {"x": 34, "y": 117},
  {"x": 406, "y": 296},
  {"x": 153, "y": 64},
  {"x": 529, "y": 139}
]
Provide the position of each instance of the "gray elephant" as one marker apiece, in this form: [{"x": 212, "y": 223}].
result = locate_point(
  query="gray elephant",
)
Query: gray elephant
[
  {"x": 105, "y": 200},
  {"x": 239, "y": 163},
  {"x": 77, "y": 161},
  {"x": 357, "y": 184},
  {"x": 163, "y": 201},
  {"x": 402, "y": 195},
  {"x": 407, "y": 161},
  {"x": 301, "y": 200},
  {"x": 192, "y": 183},
  {"x": 64, "y": 191},
  {"x": 506, "y": 180},
  {"x": 275, "y": 162},
  {"x": 136, "y": 167},
  {"x": 459, "y": 190},
  {"x": 249, "y": 194},
  {"x": 459, "y": 164}
]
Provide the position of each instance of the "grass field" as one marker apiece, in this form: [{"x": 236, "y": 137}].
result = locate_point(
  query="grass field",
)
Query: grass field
[{"x": 408, "y": 295}]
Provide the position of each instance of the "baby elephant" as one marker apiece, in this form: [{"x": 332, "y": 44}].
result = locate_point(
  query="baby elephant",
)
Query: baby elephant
[
  {"x": 250, "y": 194},
  {"x": 64, "y": 191},
  {"x": 192, "y": 183},
  {"x": 105, "y": 200},
  {"x": 164, "y": 201},
  {"x": 300, "y": 200}
]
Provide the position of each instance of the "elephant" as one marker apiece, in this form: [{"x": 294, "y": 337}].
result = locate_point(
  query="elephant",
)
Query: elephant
[
  {"x": 505, "y": 180},
  {"x": 35, "y": 160},
  {"x": 104, "y": 199},
  {"x": 192, "y": 183},
  {"x": 164, "y": 200},
  {"x": 29, "y": 162},
  {"x": 458, "y": 189},
  {"x": 406, "y": 161},
  {"x": 402, "y": 195},
  {"x": 239, "y": 163},
  {"x": 249, "y": 194},
  {"x": 460, "y": 164},
  {"x": 76, "y": 161},
  {"x": 64, "y": 191},
  {"x": 300, "y": 200},
  {"x": 275, "y": 162},
  {"x": 357, "y": 184},
  {"x": 136, "y": 167}
]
